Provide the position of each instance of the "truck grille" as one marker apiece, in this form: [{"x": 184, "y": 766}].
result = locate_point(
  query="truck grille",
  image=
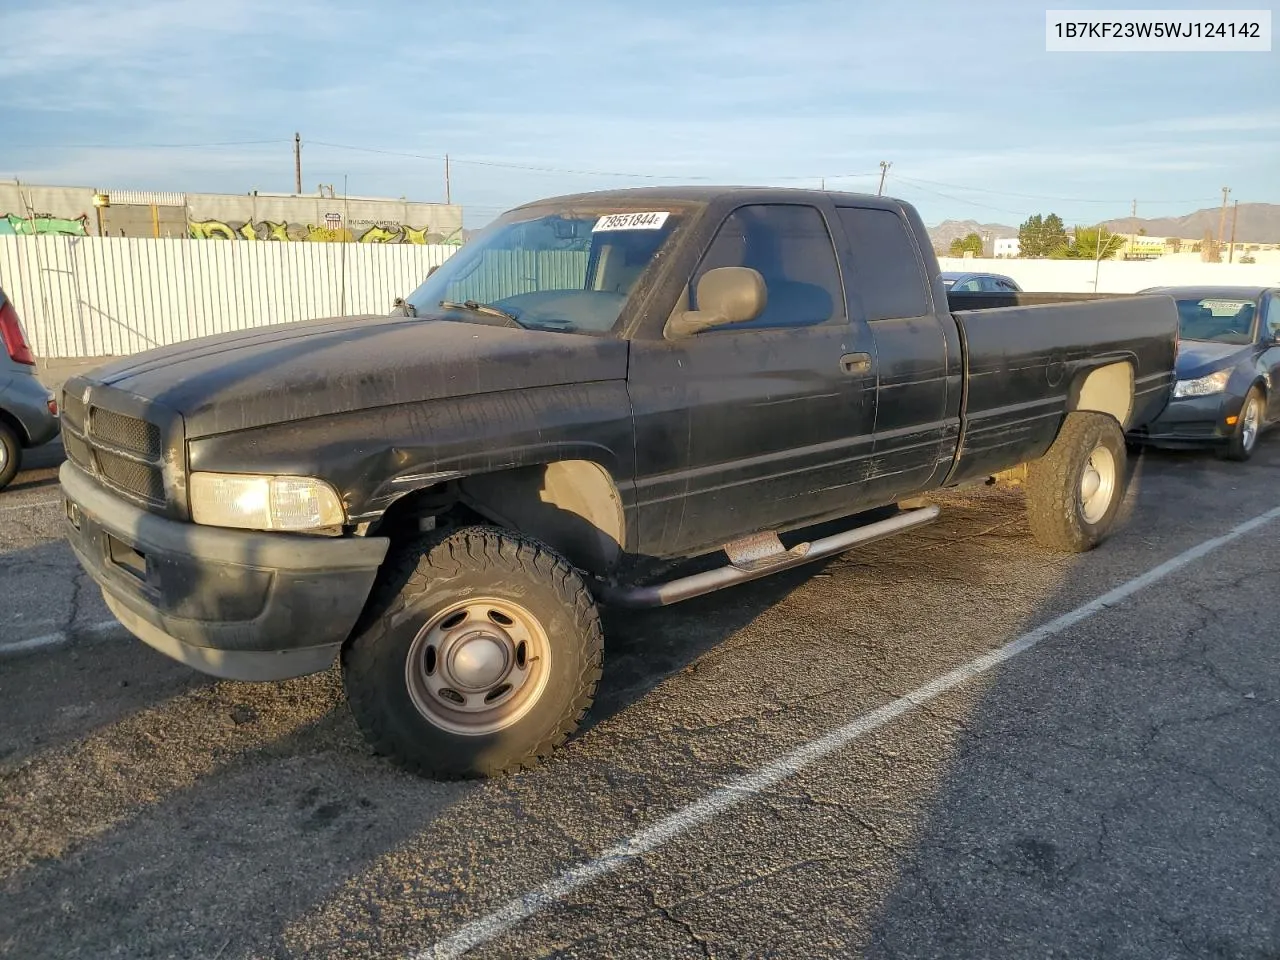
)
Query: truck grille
[
  {"x": 127, "y": 433},
  {"x": 123, "y": 452}
]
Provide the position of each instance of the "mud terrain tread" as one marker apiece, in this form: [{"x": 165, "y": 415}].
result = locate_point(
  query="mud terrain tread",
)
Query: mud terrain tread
[
  {"x": 410, "y": 572},
  {"x": 1053, "y": 510}
]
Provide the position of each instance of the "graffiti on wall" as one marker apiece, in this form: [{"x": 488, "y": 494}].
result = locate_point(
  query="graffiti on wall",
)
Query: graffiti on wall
[
  {"x": 45, "y": 224},
  {"x": 331, "y": 231}
]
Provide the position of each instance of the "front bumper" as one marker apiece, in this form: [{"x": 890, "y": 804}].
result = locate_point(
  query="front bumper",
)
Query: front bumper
[
  {"x": 233, "y": 603},
  {"x": 1191, "y": 422}
]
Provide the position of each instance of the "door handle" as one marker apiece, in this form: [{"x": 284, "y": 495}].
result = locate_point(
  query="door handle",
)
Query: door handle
[{"x": 852, "y": 363}]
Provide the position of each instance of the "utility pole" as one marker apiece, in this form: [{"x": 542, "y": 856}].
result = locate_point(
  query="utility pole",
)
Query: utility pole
[
  {"x": 1235, "y": 212},
  {"x": 884, "y": 168},
  {"x": 1133, "y": 226},
  {"x": 1097, "y": 256},
  {"x": 297, "y": 164},
  {"x": 1222, "y": 220},
  {"x": 448, "y": 188}
]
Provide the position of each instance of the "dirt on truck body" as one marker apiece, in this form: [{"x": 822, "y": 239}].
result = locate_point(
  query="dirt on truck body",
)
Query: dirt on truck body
[{"x": 592, "y": 392}]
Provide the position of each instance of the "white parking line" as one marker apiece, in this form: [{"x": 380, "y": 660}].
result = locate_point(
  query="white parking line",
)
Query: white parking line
[
  {"x": 29, "y": 506},
  {"x": 495, "y": 924},
  {"x": 57, "y": 638}
]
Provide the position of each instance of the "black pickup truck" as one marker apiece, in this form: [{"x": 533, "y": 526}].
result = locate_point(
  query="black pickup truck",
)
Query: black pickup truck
[{"x": 595, "y": 390}]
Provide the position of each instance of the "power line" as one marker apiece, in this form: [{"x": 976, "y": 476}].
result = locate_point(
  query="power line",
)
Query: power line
[
  {"x": 142, "y": 146},
  {"x": 1033, "y": 196},
  {"x": 509, "y": 165},
  {"x": 501, "y": 163}
]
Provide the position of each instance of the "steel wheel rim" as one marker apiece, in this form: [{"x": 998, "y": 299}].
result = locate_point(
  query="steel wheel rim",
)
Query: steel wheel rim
[
  {"x": 478, "y": 666},
  {"x": 4, "y": 456},
  {"x": 1249, "y": 424},
  {"x": 1097, "y": 484}
]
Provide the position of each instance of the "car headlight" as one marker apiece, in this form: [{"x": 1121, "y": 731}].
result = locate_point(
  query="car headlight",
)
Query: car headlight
[
  {"x": 263, "y": 503},
  {"x": 1202, "y": 386}
]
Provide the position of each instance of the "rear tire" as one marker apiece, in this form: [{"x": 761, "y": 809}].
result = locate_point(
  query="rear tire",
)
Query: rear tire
[
  {"x": 1074, "y": 491},
  {"x": 1253, "y": 413},
  {"x": 479, "y": 654},
  {"x": 10, "y": 455}
]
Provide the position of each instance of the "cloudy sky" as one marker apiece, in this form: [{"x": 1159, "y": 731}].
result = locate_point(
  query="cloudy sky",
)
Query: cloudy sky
[{"x": 540, "y": 97}]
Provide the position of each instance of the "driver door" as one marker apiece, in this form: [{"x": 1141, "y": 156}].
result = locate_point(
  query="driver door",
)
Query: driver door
[{"x": 760, "y": 425}]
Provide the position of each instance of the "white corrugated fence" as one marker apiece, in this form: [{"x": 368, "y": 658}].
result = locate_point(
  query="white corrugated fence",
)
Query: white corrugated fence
[{"x": 97, "y": 297}]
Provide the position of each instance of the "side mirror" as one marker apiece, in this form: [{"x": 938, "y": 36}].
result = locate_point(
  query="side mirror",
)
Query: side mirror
[
  {"x": 725, "y": 295},
  {"x": 401, "y": 307}
]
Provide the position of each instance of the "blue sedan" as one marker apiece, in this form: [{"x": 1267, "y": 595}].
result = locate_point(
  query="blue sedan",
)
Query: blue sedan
[
  {"x": 961, "y": 282},
  {"x": 1227, "y": 366}
]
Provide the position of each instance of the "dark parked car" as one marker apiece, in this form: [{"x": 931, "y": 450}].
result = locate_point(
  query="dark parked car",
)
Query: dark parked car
[
  {"x": 1228, "y": 365},
  {"x": 593, "y": 391},
  {"x": 28, "y": 411},
  {"x": 958, "y": 282}
]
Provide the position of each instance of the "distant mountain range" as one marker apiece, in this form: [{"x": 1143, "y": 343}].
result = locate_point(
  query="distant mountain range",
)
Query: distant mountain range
[
  {"x": 949, "y": 230},
  {"x": 1256, "y": 223}
]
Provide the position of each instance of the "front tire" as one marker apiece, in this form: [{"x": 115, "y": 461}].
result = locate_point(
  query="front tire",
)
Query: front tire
[
  {"x": 1245, "y": 437},
  {"x": 1074, "y": 491},
  {"x": 10, "y": 455},
  {"x": 479, "y": 654}
]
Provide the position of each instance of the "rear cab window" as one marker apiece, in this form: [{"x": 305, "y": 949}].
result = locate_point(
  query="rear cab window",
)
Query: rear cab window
[{"x": 888, "y": 275}]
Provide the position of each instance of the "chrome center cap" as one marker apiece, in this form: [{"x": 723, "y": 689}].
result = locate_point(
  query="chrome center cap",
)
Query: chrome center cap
[{"x": 478, "y": 661}]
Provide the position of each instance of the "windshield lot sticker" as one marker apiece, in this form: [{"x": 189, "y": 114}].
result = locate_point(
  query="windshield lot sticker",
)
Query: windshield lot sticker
[{"x": 631, "y": 221}]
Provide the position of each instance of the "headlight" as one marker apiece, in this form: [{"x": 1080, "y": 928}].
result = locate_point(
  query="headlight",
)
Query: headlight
[
  {"x": 263, "y": 503},
  {"x": 1202, "y": 386}
]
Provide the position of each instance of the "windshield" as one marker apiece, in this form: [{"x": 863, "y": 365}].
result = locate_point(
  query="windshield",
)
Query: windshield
[
  {"x": 570, "y": 271},
  {"x": 1216, "y": 319}
]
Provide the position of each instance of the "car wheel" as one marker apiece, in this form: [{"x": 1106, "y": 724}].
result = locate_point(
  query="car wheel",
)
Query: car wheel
[
  {"x": 1074, "y": 491},
  {"x": 1248, "y": 425},
  {"x": 10, "y": 455},
  {"x": 479, "y": 654}
]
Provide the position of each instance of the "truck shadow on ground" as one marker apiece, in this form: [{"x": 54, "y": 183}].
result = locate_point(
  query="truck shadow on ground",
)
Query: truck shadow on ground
[
  {"x": 173, "y": 790},
  {"x": 161, "y": 828}
]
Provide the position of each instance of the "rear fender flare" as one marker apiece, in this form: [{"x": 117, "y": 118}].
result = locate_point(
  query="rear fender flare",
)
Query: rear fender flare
[{"x": 1105, "y": 389}]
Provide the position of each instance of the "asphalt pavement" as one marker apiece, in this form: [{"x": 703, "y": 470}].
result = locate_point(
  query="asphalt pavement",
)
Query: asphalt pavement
[{"x": 1107, "y": 786}]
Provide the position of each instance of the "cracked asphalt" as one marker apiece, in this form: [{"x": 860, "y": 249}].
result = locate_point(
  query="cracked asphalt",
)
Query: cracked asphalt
[{"x": 1113, "y": 792}]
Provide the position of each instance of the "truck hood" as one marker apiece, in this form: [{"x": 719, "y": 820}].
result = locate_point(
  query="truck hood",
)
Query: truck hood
[
  {"x": 316, "y": 368},
  {"x": 1198, "y": 358}
]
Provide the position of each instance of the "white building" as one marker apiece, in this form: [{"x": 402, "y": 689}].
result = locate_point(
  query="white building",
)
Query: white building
[{"x": 1006, "y": 247}]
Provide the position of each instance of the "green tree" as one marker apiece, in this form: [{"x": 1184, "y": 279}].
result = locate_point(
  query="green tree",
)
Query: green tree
[
  {"x": 971, "y": 243},
  {"x": 1040, "y": 236},
  {"x": 1055, "y": 234},
  {"x": 1090, "y": 243},
  {"x": 1031, "y": 237}
]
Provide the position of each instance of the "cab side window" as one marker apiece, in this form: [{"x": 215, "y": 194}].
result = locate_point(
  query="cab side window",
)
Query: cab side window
[
  {"x": 788, "y": 244},
  {"x": 888, "y": 272}
]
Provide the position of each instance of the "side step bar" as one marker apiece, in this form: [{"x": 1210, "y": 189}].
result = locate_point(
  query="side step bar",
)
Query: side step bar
[{"x": 685, "y": 588}]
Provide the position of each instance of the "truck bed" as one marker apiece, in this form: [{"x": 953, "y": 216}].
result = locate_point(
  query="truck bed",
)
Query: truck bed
[{"x": 1025, "y": 353}]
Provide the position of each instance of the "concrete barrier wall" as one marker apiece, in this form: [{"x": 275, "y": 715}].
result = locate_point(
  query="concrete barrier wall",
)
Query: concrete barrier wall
[
  {"x": 98, "y": 297},
  {"x": 1117, "y": 276}
]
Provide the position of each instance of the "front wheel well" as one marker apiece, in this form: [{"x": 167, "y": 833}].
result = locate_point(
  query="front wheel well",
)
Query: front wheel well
[{"x": 573, "y": 506}]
